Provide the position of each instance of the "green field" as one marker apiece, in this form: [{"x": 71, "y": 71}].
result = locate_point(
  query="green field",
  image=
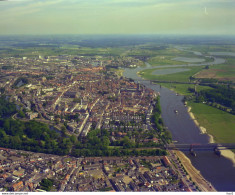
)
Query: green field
[
  {"x": 216, "y": 48},
  {"x": 176, "y": 77},
  {"x": 220, "y": 124},
  {"x": 182, "y": 89},
  {"x": 165, "y": 57},
  {"x": 61, "y": 50},
  {"x": 164, "y": 60}
]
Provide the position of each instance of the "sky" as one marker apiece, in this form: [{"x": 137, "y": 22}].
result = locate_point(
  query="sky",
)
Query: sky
[{"x": 193, "y": 17}]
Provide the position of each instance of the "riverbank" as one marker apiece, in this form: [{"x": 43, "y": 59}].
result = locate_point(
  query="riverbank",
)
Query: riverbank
[
  {"x": 202, "y": 129},
  {"x": 195, "y": 175},
  {"x": 218, "y": 171},
  {"x": 225, "y": 153}
]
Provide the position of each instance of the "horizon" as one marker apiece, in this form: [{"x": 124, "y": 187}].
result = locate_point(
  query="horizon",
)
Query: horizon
[
  {"x": 126, "y": 35},
  {"x": 122, "y": 17}
]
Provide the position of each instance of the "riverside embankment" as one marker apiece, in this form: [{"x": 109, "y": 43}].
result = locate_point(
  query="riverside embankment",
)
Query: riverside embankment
[{"x": 219, "y": 171}]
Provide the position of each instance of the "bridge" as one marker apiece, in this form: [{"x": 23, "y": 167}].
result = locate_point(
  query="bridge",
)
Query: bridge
[
  {"x": 157, "y": 81},
  {"x": 201, "y": 147},
  {"x": 178, "y": 82}
]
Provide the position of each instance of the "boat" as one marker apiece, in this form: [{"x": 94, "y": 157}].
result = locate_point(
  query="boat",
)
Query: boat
[
  {"x": 176, "y": 111},
  {"x": 192, "y": 152}
]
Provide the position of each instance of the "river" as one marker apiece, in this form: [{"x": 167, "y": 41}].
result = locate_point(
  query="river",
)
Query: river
[{"x": 219, "y": 171}]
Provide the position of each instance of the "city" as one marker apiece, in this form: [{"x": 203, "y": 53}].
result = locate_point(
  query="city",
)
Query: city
[
  {"x": 117, "y": 96},
  {"x": 77, "y": 100},
  {"x": 25, "y": 171}
]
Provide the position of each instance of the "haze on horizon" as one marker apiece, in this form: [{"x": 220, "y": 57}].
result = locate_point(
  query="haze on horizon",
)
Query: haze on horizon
[{"x": 201, "y": 17}]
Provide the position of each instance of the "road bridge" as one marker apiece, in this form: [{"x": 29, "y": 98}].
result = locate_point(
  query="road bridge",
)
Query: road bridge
[
  {"x": 178, "y": 82},
  {"x": 200, "y": 147}
]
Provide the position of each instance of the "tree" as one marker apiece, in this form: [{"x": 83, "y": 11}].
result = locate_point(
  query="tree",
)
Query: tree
[
  {"x": 46, "y": 184},
  {"x": 116, "y": 152},
  {"x": 45, "y": 136},
  {"x": 191, "y": 89},
  {"x": 104, "y": 132},
  {"x": 63, "y": 131},
  {"x": 15, "y": 142},
  {"x": 66, "y": 144},
  {"x": 199, "y": 99},
  {"x": 21, "y": 114},
  {"x": 127, "y": 143},
  {"x": 168, "y": 135},
  {"x": 73, "y": 139},
  {"x": 6, "y": 108},
  {"x": 105, "y": 141}
]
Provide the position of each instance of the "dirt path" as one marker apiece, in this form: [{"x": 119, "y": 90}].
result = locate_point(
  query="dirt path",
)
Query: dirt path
[{"x": 195, "y": 174}]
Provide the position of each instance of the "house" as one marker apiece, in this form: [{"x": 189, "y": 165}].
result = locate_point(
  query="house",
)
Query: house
[
  {"x": 148, "y": 177},
  {"x": 166, "y": 161},
  {"x": 71, "y": 94},
  {"x": 142, "y": 178},
  {"x": 17, "y": 186},
  {"x": 31, "y": 115},
  {"x": 131, "y": 162},
  {"x": 133, "y": 186},
  {"x": 11, "y": 179},
  {"x": 115, "y": 185},
  {"x": 72, "y": 126},
  {"x": 155, "y": 140}
]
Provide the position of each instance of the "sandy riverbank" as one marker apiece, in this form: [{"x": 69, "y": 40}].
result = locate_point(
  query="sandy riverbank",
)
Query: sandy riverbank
[
  {"x": 202, "y": 129},
  {"x": 195, "y": 175},
  {"x": 226, "y": 153}
]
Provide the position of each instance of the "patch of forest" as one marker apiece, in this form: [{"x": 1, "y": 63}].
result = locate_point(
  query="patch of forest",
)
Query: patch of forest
[
  {"x": 223, "y": 95},
  {"x": 38, "y": 137}
]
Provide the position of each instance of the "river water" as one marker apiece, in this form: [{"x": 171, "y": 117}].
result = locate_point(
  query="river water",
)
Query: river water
[
  {"x": 219, "y": 171},
  {"x": 169, "y": 71}
]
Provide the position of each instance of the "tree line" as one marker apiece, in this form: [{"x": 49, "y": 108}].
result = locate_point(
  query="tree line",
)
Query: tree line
[
  {"x": 97, "y": 143},
  {"x": 38, "y": 137},
  {"x": 223, "y": 95},
  {"x": 158, "y": 122}
]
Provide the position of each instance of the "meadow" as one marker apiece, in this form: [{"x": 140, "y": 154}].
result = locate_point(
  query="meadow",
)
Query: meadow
[
  {"x": 182, "y": 89},
  {"x": 213, "y": 47},
  {"x": 176, "y": 77},
  {"x": 220, "y": 124},
  {"x": 166, "y": 57}
]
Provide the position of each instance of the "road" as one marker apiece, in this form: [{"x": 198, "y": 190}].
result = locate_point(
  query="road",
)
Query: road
[
  {"x": 180, "y": 171},
  {"x": 195, "y": 174}
]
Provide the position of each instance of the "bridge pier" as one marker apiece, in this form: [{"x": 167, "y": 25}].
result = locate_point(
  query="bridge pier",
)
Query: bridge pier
[
  {"x": 192, "y": 152},
  {"x": 217, "y": 151}
]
